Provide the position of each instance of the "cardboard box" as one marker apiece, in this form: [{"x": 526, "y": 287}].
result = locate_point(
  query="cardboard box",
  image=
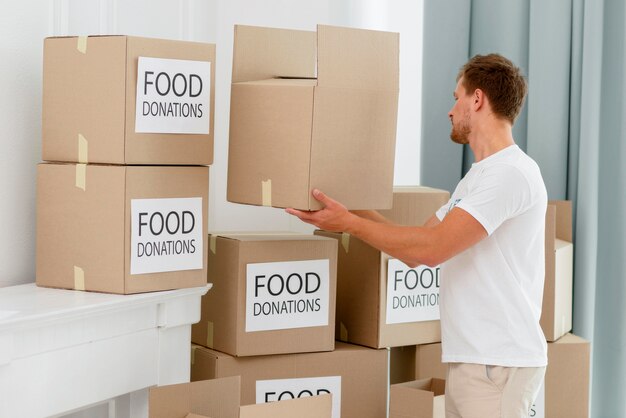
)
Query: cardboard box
[
  {"x": 416, "y": 362},
  {"x": 375, "y": 311},
  {"x": 306, "y": 407},
  {"x": 566, "y": 387},
  {"x": 271, "y": 294},
  {"x": 423, "y": 398},
  {"x": 91, "y": 95},
  {"x": 414, "y": 205},
  {"x": 219, "y": 398},
  {"x": 313, "y": 110},
  {"x": 355, "y": 376},
  {"x": 121, "y": 229},
  {"x": 556, "y": 312}
]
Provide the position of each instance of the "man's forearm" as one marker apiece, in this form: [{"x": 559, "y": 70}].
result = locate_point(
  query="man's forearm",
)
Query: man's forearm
[{"x": 411, "y": 244}]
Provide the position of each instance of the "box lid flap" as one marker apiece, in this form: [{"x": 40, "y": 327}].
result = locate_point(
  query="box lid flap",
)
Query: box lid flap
[
  {"x": 263, "y": 53},
  {"x": 357, "y": 58},
  {"x": 407, "y": 401},
  {"x": 211, "y": 398},
  {"x": 308, "y": 407}
]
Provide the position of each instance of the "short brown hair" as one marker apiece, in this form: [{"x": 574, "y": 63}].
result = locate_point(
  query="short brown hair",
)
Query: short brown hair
[{"x": 500, "y": 80}]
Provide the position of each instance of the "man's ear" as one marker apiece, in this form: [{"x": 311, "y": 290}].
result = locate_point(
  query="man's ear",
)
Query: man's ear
[{"x": 478, "y": 99}]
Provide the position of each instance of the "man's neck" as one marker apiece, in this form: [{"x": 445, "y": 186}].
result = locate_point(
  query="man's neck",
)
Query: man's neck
[{"x": 490, "y": 139}]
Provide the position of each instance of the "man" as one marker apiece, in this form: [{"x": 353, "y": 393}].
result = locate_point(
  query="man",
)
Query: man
[{"x": 490, "y": 239}]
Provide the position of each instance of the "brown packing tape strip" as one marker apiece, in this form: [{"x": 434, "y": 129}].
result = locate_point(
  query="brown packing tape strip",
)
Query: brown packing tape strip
[
  {"x": 266, "y": 192},
  {"x": 209, "y": 334},
  {"x": 81, "y": 176},
  {"x": 193, "y": 353},
  {"x": 343, "y": 332},
  {"x": 345, "y": 241},
  {"x": 79, "y": 278},
  {"x": 83, "y": 150},
  {"x": 81, "y": 44},
  {"x": 213, "y": 243}
]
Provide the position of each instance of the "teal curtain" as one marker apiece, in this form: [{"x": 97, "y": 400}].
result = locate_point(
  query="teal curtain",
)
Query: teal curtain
[{"x": 573, "y": 125}]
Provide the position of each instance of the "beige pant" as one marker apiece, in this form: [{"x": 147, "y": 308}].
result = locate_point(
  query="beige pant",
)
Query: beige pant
[{"x": 479, "y": 391}]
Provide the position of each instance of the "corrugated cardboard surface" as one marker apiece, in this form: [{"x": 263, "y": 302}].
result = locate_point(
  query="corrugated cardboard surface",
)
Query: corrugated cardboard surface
[
  {"x": 217, "y": 398},
  {"x": 225, "y": 305},
  {"x": 284, "y": 112},
  {"x": 346, "y": 127},
  {"x": 401, "y": 364},
  {"x": 556, "y": 313},
  {"x": 362, "y": 279},
  {"x": 428, "y": 362},
  {"x": 414, "y": 205},
  {"x": 362, "y": 301},
  {"x": 567, "y": 377},
  {"x": 363, "y": 374},
  {"x": 309, "y": 407},
  {"x": 259, "y": 53},
  {"x": 93, "y": 94},
  {"x": 90, "y": 228},
  {"x": 358, "y": 304},
  {"x": 417, "y": 399},
  {"x": 416, "y": 362}
]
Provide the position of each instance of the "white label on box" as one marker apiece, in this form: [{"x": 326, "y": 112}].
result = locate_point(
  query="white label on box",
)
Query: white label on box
[
  {"x": 166, "y": 235},
  {"x": 538, "y": 410},
  {"x": 288, "y": 294},
  {"x": 282, "y": 389},
  {"x": 173, "y": 96},
  {"x": 412, "y": 294}
]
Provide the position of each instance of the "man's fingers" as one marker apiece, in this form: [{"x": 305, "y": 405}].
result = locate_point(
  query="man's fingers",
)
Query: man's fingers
[
  {"x": 299, "y": 213},
  {"x": 321, "y": 197}
]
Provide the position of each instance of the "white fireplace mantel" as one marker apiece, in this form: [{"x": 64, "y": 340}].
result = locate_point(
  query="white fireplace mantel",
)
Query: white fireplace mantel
[{"x": 65, "y": 350}]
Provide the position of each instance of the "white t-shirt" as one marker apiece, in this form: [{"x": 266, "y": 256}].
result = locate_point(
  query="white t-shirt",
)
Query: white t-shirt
[{"x": 491, "y": 293}]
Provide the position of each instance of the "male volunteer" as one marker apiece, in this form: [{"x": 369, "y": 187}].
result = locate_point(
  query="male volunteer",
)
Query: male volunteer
[{"x": 490, "y": 239}]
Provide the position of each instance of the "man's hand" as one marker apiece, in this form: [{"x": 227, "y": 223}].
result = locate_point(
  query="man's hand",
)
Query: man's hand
[{"x": 333, "y": 217}]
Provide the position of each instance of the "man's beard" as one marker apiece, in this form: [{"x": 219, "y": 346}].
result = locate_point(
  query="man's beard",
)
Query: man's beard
[{"x": 460, "y": 133}]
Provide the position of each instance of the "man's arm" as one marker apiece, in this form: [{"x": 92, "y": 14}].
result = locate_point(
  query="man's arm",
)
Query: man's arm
[
  {"x": 372, "y": 215},
  {"x": 431, "y": 244}
]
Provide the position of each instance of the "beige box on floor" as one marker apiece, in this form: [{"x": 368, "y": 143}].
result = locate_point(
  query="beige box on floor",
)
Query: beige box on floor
[
  {"x": 93, "y": 110},
  {"x": 423, "y": 398},
  {"x": 219, "y": 398},
  {"x": 313, "y": 110},
  {"x": 355, "y": 376},
  {"x": 271, "y": 294},
  {"x": 381, "y": 302},
  {"x": 566, "y": 386},
  {"x": 319, "y": 406},
  {"x": 121, "y": 229},
  {"x": 556, "y": 312},
  {"x": 416, "y": 362}
]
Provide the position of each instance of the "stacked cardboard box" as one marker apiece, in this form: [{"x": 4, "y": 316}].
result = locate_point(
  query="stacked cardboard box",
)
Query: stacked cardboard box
[
  {"x": 219, "y": 398},
  {"x": 270, "y": 313},
  {"x": 313, "y": 110},
  {"x": 556, "y": 312},
  {"x": 381, "y": 302},
  {"x": 308, "y": 110},
  {"x": 122, "y": 200},
  {"x": 271, "y": 294},
  {"x": 355, "y": 376}
]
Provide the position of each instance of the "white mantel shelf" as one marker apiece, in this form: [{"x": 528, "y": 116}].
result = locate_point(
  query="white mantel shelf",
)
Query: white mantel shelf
[{"x": 65, "y": 350}]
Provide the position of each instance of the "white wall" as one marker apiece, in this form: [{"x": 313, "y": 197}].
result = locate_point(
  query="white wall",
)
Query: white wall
[{"x": 24, "y": 24}]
